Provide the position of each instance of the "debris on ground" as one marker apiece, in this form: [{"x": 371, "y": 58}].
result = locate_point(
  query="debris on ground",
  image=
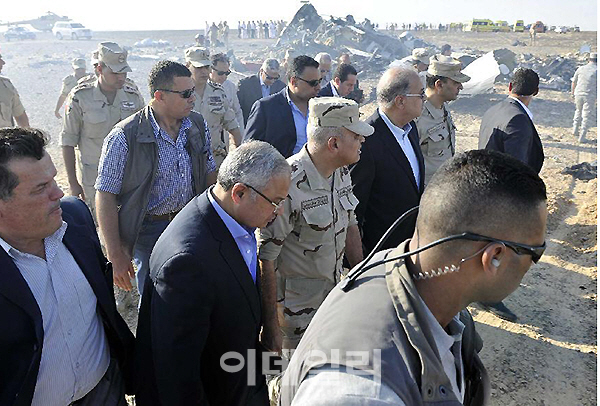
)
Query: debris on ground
[{"x": 583, "y": 171}]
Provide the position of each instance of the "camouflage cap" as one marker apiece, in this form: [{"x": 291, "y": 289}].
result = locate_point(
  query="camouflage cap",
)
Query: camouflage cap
[
  {"x": 113, "y": 56},
  {"x": 78, "y": 63},
  {"x": 337, "y": 112},
  {"x": 447, "y": 67},
  {"x": 197, "y": 56},
  {"x": 421, "y": 55}
]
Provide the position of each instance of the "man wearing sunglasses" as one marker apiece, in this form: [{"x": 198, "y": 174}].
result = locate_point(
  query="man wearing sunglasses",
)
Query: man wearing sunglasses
[
  {"x": 401, "y": 334},
  {"x": 219, "y": 73},
  {"x": 266, "y": 83},
  {"x": 152, "y": 164},
  {"x": 281, "y": 119},
  {"x": 212, "y": 102},
  {"x": 306, "y": 244}
]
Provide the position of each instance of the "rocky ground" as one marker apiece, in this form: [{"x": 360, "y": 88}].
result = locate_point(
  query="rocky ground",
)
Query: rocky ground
[{"x": 549, "y": 357}]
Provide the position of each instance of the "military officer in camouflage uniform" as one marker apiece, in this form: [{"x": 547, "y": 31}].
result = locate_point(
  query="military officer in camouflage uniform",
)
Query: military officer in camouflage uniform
[
  {"x": 93, "y": 108},
  {"x": 213, "y": 104},
  {"x": 302, "y": 251},
  {"x": 11, "y": 109},
  {"x": 69, "y": 82},
  {"x": 437, "y": 132}
]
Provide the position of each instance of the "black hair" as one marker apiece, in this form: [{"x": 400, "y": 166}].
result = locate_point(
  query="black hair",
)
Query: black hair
[
  {"x": 525, "y": 82},
  {"x": 343, "y": 71},
  {"x": 430, "y": 80},
  {"x": 300, "y": 63},
  {"x": 163, "y": 73},
  {"x": 17, "y": 142},
  {"x": 220, "y": 57}
]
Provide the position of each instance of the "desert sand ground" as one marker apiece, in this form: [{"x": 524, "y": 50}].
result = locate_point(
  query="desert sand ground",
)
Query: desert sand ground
[{"x": 549, "y": 357}]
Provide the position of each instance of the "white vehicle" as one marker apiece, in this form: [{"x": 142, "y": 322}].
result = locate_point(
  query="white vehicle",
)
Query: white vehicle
[
  {"x": 561, "y": 30},
  {"x": 69, "y": 29}
]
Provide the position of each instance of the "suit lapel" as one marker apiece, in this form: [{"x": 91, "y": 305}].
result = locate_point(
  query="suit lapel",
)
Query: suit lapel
[
  {"x": 257, "y": 89},
  {"x": 395, "y": 149},
  {"x": 15, "y": 288},
  {"x": 230, "y": 253},
  {"x": 288, "y": 116}
]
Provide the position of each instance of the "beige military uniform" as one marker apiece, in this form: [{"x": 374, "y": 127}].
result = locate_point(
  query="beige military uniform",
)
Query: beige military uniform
[
  {"x": 585, "y": 79},
  {"x": 217, "y": 110},
  {"x": 88, "y": 121},
  {"x": 437, "y": 136},
  {"x": 307, "y": 243},
  {"x": 10, "y": 103},
  {"x": 68, "y": 83}
]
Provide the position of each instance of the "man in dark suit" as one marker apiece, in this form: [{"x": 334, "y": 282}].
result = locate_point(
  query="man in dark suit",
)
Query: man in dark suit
[
  {"x": 388, "y": 179},
  {"x": 281, "y": 119},
  {"x": 256, "y": 87},
  {"x": 342, "y": 84},
  {"x": 200, "y": 317},
  {"x": 508, "y": 127},
  {"x": 62, "y": 340}
]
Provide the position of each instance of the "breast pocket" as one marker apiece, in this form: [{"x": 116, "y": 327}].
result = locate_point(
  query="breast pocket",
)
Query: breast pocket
[
  {"x": 318, "y": 221},
  {"x": 96, "y": 124},
  {"x": 437, "y": 142}
]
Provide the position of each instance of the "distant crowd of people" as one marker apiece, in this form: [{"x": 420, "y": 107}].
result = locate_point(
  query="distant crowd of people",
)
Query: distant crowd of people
[{"x": 263, "y": 218}]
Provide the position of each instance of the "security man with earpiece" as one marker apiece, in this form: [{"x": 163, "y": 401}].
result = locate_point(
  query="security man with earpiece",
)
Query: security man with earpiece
[{"x": 397, "y": 330}]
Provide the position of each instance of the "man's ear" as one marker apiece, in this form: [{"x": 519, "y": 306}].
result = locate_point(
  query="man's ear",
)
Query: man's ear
[
  {"x": 332, "y": 144},
  {"x": 491, "y": 258},
  {"x": 337, "y": 81},
  {"x": 237, "y": 192}
]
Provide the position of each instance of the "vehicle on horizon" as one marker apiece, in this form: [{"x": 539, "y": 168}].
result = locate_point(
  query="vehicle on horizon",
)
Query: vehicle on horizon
[
  {"x": 539, "y": 27},
  {"x": 70, "y": 29},
  {"x": 480, "y": 25},
  {"x": 502, "y": 26},
  {"x": 18, "y": 33},
  {"x": 576, "y": 29},
  {"x": 561, "y": 30},
  {"x": 519, "y": 26}
]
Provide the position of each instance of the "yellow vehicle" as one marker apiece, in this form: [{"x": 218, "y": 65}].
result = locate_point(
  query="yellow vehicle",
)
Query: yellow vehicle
[
  {"x": 519, "y": 26},
  {"x": 502, "y": 26},
  {"x": 480, "y": 25}
]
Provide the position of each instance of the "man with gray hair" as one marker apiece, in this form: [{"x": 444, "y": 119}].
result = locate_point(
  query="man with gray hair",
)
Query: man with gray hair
[
  {"x": 306, "y": 244},
  {"x": 325, "y": 62},
  {"x": 388, "y": 179},
  {"x": 203, "y": 303},
  {"x": 255, "y": 87}
]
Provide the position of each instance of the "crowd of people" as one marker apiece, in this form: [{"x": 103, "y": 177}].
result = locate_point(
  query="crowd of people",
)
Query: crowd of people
[{"x": 263, "y": 218}]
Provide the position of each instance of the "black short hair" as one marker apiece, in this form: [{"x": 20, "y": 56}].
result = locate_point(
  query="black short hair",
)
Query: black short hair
[
  {"x": 17, "y": 142},
  {"x": 430, "y": 80},
  {"x": 481, "y": 191},
  {"x": 300, "y": 63},
  {"x": 525, "y": 82},
  {"x": 163, "y": 73},
  {"x": 343, "y": 70},
  {"x": 445, "y": 47},
  {"x": 220, "y": 57}
]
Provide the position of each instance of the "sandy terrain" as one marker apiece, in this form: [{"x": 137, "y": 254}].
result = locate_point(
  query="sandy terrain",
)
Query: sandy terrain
[{"x": 549, "y": 357}]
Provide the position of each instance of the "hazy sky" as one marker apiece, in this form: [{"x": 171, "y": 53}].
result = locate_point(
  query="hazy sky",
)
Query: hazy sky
[{"x": 155, "y": 15}]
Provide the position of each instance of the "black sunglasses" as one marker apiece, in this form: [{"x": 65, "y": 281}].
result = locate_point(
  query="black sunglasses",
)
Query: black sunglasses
[
  {"x": 311, "y": 83},
  {"x": 221, "y": 72},
  {"x": 536, "y": 251},
  {"x": 186, "y": 94},
  {"x": 272, "y": 77}
]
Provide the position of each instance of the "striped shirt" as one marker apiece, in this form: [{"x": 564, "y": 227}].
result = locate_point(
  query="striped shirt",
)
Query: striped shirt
[
  {"x": 75, "y": 352},
  {"x": 172, "y": 187}
]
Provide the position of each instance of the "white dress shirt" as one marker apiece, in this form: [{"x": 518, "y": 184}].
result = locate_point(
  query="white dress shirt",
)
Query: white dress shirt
[{"x": 401, "y": 135}]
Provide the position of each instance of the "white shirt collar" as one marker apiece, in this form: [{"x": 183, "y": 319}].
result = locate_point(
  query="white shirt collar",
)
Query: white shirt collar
[
  {"x": 524, "y": 106},
  {"x": 262, "y": 83},
  {"x": 334, "y": 90},
  {"x": 402, "y": 132}
]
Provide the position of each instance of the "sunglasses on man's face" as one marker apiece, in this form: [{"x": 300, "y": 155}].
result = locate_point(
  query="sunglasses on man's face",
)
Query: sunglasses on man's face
[
  {"x": 267, "y": 77},
  {"x": 311, "y": 83},
  {"x": 535, "y": 251},
  {"x": 186, "y": 94},
  {"x": 221, "y": 72}
]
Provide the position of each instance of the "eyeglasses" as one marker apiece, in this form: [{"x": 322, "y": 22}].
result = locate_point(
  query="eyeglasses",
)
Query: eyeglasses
[
  {"x": 311, "y": 83},
  {"x": 277, "y": 206},
  {"x": 422, "y": 95},
  {"x": 221, "y": 72},
  {"x": 536, "y": 251},
  {"x": 186, "y": 94},
  {"x": 267, "y": 77}
]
